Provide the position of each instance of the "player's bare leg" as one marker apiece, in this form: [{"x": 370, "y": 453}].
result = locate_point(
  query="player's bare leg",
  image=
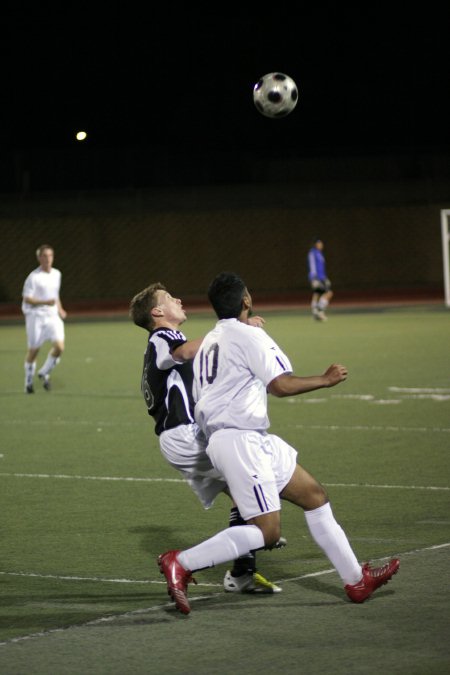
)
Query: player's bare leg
[
  {"x": 51, "y": 361},
  {"x": 244, "y": 577}
]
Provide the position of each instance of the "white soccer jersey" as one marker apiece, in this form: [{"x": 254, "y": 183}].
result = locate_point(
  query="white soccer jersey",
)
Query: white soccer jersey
[
  {"x": 232, "y": 369},
  {"x": 42, "y": 286}
]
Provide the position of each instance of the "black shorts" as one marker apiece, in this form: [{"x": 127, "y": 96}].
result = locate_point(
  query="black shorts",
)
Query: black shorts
[{"x": 320, "y": 286}]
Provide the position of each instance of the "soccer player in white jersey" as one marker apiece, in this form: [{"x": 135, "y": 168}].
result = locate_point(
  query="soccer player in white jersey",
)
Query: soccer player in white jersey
[
  {"x": 44, "y": 315},
  {"x": 167, "y": 389},
  {"x": 233, "y": 371}
]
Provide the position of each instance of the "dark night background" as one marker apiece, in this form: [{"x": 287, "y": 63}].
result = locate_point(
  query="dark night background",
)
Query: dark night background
[
  {"x": 165, "y": 95},
  {"x": 182, "y": 177}
]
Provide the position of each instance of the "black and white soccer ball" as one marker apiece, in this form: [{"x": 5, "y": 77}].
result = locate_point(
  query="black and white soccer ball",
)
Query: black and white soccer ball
[{"x": 275, "y": 95}]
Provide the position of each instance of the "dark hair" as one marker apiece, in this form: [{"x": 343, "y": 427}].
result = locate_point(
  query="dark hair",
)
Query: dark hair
[
  {"x": 225, "y": 294},
  {"x": 142, "y": 304}
]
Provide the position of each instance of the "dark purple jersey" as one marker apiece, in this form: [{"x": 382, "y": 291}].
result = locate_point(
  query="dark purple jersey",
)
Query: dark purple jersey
[{"x": 167, "y": 383}]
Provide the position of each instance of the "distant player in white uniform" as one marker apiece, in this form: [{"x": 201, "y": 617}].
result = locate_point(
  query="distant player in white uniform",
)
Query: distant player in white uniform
[
  {"x": 167, "y": 389},
  {"x": 233, "y": 371},
  {"x": 44, "y": 315}
]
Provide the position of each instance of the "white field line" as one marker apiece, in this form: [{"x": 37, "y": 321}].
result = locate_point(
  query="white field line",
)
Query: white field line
[
  {"x": 107, "y": 478},
  {"x": 387, "y": 487},
  {"x": 109, "y": 580},
  {"x": 130, "y": 479},
  {"x": 156, "y": 608},
  {"x": 362, "y": 427},
  {"x": 99, "y": 426},
  {"x": 59, "y": 577},
  {"x": 60, "y": 423},
  {"x": 420, "y": 390}
]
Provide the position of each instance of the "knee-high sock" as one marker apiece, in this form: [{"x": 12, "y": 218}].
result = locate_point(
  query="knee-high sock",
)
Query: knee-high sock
[
  {"x": 331, "y": 538},
  {"x": 222, "y": 547},
  {"x": 50, "y": 363},
  {"x": 30, "y": 369}
]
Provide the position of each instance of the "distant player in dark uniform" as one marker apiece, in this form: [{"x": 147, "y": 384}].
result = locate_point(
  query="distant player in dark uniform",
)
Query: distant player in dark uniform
[
  {"x": 320, "y": 284},
  {"x": 167, "y": 380}
]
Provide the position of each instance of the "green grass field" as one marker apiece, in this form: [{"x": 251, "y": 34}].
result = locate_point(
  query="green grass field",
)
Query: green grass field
[{"x": 87, "y": 503}]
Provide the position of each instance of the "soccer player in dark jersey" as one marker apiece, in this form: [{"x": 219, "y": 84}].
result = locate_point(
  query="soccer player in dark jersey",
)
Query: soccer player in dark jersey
[
  {"x": 320, "y": 284},
  {"x": 167, "y": 380}
]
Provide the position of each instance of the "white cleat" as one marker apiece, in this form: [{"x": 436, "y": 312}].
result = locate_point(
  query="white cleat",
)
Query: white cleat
[{"x": 249, "y": 583}]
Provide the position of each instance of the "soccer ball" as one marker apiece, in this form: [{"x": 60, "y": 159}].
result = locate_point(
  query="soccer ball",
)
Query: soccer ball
[{"x": 275, "y": 95}]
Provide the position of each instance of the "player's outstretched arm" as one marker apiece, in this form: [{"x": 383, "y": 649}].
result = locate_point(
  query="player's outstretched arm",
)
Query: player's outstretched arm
[
  {"x": 188, "y": 350},
  {"x": 291, "y": 385}
]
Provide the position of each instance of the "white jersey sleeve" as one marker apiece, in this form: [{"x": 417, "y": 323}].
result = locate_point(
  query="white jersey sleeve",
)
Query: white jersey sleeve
[{"x": 232, "y": 369}]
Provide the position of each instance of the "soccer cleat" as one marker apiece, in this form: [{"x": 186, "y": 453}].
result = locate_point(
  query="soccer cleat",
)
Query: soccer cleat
[
  {"x": 372, "y": 578},
  {"x": 250, "y": 582},
  {"x": 281, "y": 543},
  {"x": 319, "y": 315},
  {"x": 177, "y": 579},
  {"x": 45, "y": 379},
  {"x": 29, "y": 389},
  {"x": 263, "y": 585}
]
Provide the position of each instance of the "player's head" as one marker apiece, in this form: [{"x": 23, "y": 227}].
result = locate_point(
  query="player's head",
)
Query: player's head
[
  {"x": 45, "y": 255},
  {"x": 142, "y": 304},
  {"x": 228, "y": 295},
  {"x": 317, "y": 242}
]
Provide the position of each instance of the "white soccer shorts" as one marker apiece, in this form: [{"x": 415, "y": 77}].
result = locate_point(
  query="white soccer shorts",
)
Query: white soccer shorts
[
  {"x": 257, "y": 467},
  {"x": 184, "y": 447},
  {"x": 42, "y": 329}
]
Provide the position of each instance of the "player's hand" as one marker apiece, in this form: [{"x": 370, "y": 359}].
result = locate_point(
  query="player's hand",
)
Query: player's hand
[
  {"x": 335, "y": 374},
  {"x": 256, "y": 321}
]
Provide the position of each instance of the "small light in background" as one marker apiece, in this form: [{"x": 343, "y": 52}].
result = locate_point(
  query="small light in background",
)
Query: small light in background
[{"x": 81, "y": 135}]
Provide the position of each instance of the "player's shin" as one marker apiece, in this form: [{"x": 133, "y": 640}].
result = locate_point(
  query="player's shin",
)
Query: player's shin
[
  {"x": 331, "y": 538},
  {"x": 227, "y": 545}
]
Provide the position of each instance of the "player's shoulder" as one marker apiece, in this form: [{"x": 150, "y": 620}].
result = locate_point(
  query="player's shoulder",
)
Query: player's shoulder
[
  {"x": 32, "y": 275},
  {"x": 231, "y": 327},
  {"x": 246, "y": 333},
  {"x": 232, "y": 324},
  {"x": 170, "y": 335}
]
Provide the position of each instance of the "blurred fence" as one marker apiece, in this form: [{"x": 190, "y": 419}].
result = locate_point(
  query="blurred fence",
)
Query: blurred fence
[{"x": 379, "y": 234}]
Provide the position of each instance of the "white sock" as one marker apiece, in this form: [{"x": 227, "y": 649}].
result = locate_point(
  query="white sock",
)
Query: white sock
[
  {"x": 50, "y": 363},
  {"x": 331, "y": 538},
  {"x": 222, "y": 547},
  {"x": 323, "y": 304},
  {"x": 30, "y": 369}
]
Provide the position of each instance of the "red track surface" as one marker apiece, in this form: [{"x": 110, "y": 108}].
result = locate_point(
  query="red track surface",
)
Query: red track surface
[{"x": 116, "y": 308}]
